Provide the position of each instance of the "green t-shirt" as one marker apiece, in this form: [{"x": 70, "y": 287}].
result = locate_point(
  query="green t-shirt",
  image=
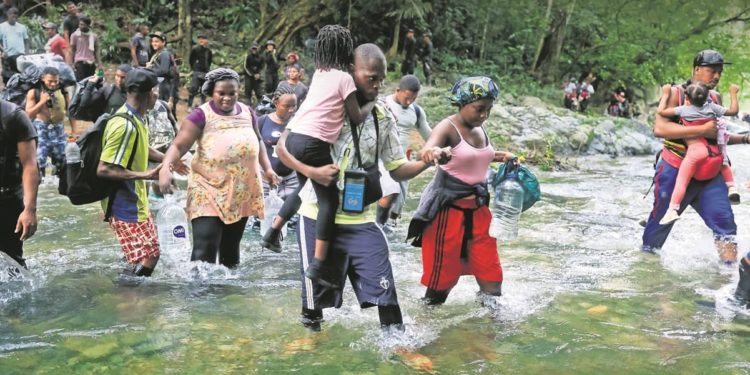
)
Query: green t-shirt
[{"x": 131, "y": 199}]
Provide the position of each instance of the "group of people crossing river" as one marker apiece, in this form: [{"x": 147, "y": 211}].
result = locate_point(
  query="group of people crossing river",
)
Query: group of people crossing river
[{"x": 336, "y": 153}]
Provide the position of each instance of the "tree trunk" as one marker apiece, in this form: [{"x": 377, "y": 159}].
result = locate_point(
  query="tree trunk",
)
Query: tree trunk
[
  {"x": 183, "y": 19},
  {"x": 553, "y": 43},
  {"x": 393, "y": 51},
  {"x": 484, "y": 36},
  {"x": 538, "y": 54}
]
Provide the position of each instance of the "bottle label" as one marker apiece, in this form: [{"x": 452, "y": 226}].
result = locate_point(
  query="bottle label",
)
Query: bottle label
[{"x": 179, "y": 231}]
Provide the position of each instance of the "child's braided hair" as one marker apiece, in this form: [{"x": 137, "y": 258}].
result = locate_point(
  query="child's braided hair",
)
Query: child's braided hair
[{"x": 333, "y": 48}]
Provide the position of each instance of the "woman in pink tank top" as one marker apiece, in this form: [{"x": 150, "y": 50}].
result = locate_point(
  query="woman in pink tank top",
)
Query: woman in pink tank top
[{"x": 456, "y": 240}]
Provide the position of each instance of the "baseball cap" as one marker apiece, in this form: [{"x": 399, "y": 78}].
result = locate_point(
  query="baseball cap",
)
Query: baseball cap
[
  {"x": 709, "y": 57},
  {"x": 255, "y": 46},
  {"x": 141, "y": 80},
  {"x": 159, "y": 34},
  {"x": 49, "y": 25}
]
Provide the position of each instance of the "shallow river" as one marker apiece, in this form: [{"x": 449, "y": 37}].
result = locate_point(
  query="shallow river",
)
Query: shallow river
[{"x": 579, "y": 297}]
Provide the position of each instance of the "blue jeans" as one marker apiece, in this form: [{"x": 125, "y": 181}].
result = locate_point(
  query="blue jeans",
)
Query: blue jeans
[{"x": 50, "y": 142}]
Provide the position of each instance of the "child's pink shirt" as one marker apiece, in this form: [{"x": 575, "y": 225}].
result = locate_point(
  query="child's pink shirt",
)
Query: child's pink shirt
[{"x": 321, "y": 115}]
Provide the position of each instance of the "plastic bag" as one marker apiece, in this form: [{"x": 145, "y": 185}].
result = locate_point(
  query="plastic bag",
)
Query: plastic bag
[
  {"x": 527, "y": 179},
  {"x": 272, "y": 204}
]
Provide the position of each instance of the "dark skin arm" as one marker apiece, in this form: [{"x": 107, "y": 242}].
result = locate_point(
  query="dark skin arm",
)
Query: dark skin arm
[
  {"x": 265, "y": 163},
  {"x": 32, "y": 106},
  {"x": 328, "y": 174},
  {"x": 27, "y": 220},
  {"x": 443, "y": 137},
  {"x": 665, "y": 128},
  {"x": 189, "y": 133},
  {"x": 118, "y": 173},
  {"x": 354, "y": 112},
  {"x": 325, "y": 175}
]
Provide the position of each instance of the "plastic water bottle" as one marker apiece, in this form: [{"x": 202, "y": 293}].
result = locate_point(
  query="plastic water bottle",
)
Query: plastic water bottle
[
  {"x": 272, "y": 205},
  {"x": 172, "y": 225},
  {"x": 507, "y": 209},
  {"x": 72, "y": 152}
]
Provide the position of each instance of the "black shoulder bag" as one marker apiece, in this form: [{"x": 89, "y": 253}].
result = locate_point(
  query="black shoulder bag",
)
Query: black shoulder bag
[{"x": 362, "y": 184}]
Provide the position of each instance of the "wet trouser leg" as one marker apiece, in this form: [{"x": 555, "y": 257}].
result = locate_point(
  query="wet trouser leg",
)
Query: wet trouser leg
[
  {"x": 211, "y": 237},
  {"x": 708, "y": 198},
  {"x": 10, "y": 242},
  {"x": 390, "y": 316},
  {"x": 435, "y": 297}
]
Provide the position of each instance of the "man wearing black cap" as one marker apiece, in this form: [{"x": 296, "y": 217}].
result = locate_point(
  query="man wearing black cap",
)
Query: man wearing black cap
[
  {"x": 123, "y": 139},
  {"x": 271, "y": 60},
  {"x": 200, "y": 63},
  {"x": 253, "y": 67},
  {"x": 707, "y": 194},
  {"x": 410, "y": 53},
  {"x": 164, "y": 65}
]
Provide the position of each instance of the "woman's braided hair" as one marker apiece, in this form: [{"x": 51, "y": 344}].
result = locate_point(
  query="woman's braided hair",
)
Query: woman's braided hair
[
  {"x": 217, "y": 75},
  {"x": 281, "y": 91},
  {"x": 333, "y": 48}
]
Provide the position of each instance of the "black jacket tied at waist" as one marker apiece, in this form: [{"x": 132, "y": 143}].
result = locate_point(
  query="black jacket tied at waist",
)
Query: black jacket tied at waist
[{"x": 443, "y": 190}]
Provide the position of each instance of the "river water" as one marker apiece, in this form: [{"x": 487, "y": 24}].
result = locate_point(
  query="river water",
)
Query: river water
[{"x": 579, "y": 297}]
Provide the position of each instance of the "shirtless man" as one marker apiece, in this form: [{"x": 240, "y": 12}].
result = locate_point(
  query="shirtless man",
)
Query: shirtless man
[{"x": 46, "y": 107}]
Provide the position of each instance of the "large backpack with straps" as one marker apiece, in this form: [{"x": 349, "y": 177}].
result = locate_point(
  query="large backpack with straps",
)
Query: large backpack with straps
[
  {"x": 92, "y": 111},
  {"x": 79, "y": 180}
]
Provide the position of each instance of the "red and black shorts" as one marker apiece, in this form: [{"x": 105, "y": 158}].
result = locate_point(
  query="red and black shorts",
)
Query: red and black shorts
[
  {"x": 138, "y": 240},
  {"x": 449, "y": 250}
]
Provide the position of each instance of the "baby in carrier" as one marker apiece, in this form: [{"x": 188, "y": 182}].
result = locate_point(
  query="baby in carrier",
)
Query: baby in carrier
[{"x": 698, "y": 110}]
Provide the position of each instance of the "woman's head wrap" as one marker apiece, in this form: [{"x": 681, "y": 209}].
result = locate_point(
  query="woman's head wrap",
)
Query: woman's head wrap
[
  {"x": 471, "y": 89},
  {"x": 216, "y": 75}
]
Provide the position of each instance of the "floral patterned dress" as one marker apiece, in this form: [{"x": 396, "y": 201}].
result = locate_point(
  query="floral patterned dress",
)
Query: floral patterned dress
[{"x": 225, "y": 178}]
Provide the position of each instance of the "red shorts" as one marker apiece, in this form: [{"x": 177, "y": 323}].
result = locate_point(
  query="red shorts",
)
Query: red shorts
[
  {"x": 443, "y": 243},
  {"x": 137, "y": 240}
]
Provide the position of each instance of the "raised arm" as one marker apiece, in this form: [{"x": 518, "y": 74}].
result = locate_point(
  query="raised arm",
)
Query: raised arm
[
  {"x": 665, "y": 128},
  {"x": 734, "y": 106}
]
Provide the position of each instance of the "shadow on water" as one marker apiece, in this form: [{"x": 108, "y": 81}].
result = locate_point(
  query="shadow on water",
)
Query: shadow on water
[{"x": 579, "y": 297}]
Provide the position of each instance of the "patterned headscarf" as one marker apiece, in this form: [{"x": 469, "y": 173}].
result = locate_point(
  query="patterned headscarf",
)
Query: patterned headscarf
[
  {"x": 216, "y": 75},
  {"x": 471, "y": 89}
]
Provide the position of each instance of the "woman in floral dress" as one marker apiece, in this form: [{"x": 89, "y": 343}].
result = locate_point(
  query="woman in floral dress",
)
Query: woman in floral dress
[{"x": 225, "y": 185}]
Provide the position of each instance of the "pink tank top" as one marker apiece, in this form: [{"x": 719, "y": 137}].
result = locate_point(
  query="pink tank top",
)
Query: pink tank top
[{"x": 468, "y": 163}]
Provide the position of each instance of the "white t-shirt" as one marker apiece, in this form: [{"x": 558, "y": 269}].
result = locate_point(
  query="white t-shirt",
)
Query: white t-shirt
[
  {"x": 408, "y": 121},
  {"x": 13, "y": 37}
]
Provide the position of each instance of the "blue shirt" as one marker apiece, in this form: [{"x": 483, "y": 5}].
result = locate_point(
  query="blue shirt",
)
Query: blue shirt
[
  {"x": 13, "y": 37},
  {"x": 270, "y": 132}
]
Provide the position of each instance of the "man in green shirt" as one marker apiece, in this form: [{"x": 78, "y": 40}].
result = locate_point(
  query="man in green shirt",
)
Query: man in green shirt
[{"x": 123, "y": 140}]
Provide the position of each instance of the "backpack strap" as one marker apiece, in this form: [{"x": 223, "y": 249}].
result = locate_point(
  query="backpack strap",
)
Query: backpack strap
[
  {"x": 111, "y": 199},
  {"x": 355, "y": 137},
  {"x": 418, "y": 110}
]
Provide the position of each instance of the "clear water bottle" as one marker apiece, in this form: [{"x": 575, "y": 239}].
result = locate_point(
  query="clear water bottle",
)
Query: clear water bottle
[
  {"x": 507, "y": 209},
  {"x": 72, "y": 152},
  {"x": 172, "y": 225},
  {"x": 272, "y": 205}
]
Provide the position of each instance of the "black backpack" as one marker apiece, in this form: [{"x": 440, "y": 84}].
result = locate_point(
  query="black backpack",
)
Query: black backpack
[
  {"x": 93, "y": 110},
  {"x": 80, "y": 181}
]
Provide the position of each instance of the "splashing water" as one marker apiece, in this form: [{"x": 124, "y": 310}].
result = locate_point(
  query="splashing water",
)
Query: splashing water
[{"x": 578, "y": 296}]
